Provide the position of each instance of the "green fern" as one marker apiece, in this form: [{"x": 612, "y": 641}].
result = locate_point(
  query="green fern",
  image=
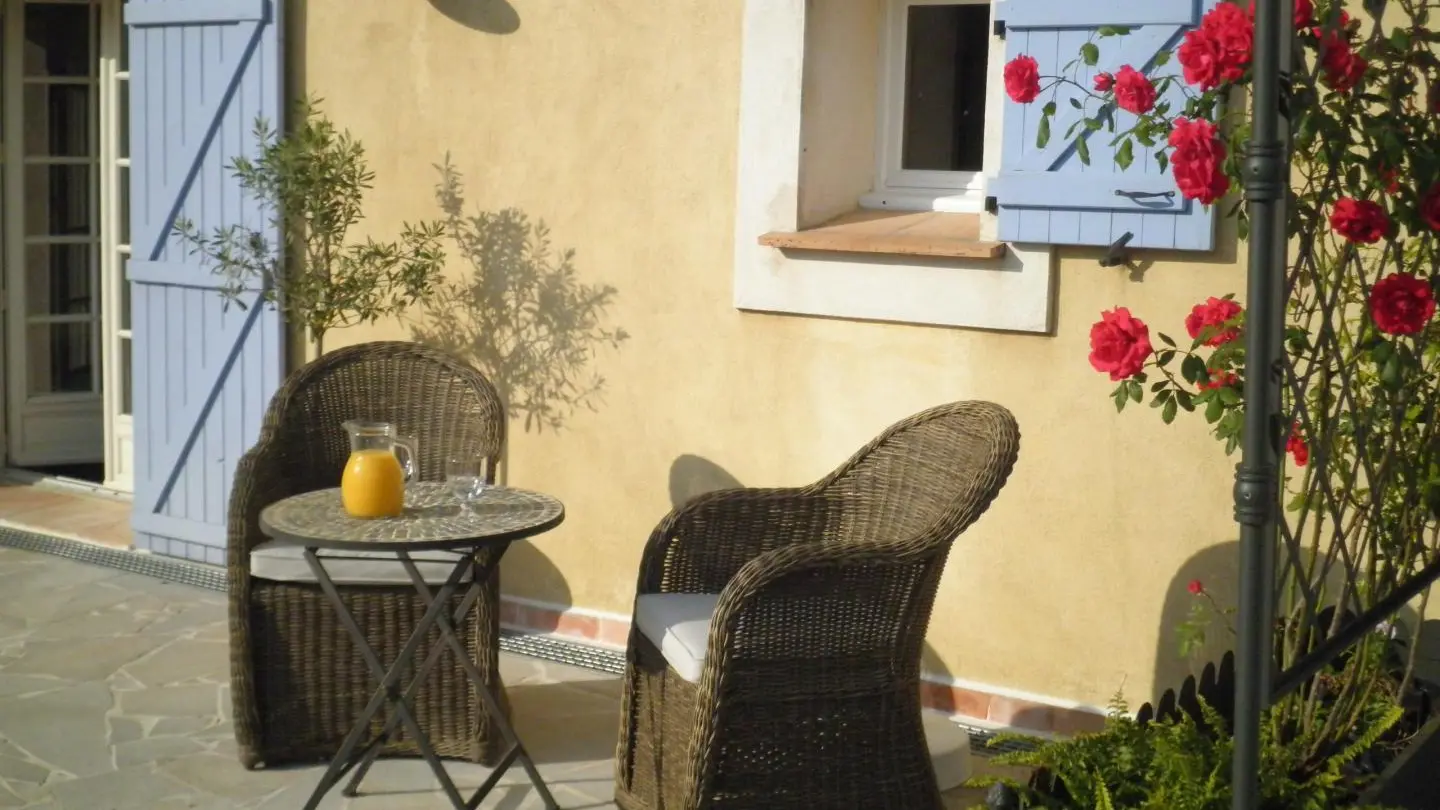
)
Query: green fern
[
  {"x": 1388, "y": 717},
  {"x": 1102, "y": 796},
  {"x": 1182, "y": 764}
]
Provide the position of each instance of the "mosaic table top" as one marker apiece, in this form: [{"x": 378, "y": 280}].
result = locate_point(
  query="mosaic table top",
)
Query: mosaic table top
[{"x": 433, "y": 519}]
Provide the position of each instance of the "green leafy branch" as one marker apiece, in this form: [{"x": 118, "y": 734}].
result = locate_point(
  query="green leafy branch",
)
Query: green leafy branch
[{"x": 311, "y": 184}]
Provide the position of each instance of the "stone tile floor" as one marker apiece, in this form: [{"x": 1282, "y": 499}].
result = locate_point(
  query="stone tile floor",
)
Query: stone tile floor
[{"x": 114, "y": 695}]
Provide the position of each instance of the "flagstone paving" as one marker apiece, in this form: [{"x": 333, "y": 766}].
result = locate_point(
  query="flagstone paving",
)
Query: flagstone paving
[{"x": 114, "y": 695}]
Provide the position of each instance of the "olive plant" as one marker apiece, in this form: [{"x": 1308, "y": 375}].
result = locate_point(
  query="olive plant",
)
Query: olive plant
[{"x": 311, "y": 183}]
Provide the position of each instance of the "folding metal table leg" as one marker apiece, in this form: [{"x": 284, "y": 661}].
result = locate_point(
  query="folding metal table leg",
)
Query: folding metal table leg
[
  {"x": 472, "y": 594},
  {"x": 492, "y": 706},
  {"x": 388, "y": 678}
]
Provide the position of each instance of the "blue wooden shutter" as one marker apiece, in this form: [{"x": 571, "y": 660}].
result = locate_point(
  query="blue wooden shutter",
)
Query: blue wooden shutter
[
  {"x": 201, "y": 71},
  {"x": 1047, "y": 196}
]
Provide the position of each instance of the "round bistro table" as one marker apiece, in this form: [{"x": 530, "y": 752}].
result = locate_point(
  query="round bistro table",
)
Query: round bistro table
[{"x": 432, "y": 521}]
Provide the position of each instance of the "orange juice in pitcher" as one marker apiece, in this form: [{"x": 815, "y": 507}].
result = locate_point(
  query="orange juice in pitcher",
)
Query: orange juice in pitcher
[{"x": 373, "y": 485}]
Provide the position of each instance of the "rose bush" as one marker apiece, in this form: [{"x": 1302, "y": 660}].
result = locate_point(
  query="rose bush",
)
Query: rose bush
[{"x": 1359, "y": 436}]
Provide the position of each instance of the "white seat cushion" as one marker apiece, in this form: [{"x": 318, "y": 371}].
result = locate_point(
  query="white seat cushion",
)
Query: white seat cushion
[
  {"x": 285, "y": 563},
  {"x": 679, "y": 624}
]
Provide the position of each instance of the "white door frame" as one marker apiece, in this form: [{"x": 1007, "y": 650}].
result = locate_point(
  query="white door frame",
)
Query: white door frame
[
  {"x": 50, "y": 428},
  {"x": 115, "y": 248}
]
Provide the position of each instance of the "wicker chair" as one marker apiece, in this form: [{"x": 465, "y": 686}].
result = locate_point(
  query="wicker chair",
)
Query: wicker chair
[
  {"x": 297, "y": 681},
  {"x": 774, "y": 657}
]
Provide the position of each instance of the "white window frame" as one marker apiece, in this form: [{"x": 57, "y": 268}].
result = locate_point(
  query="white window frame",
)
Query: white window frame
[
  {"x": 1014, "y": 293},
  {"x": 901, "y": 189}
]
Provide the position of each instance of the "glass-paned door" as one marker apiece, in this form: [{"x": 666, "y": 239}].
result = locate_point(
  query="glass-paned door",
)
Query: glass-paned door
[
  {"x": 115, "y": 244},
  {"x": 52, "y": 223}
]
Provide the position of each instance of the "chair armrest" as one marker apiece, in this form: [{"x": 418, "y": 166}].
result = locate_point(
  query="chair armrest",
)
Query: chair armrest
[
  {"x": 261, "y": 478},
  {"x": 701, "y": 545}
]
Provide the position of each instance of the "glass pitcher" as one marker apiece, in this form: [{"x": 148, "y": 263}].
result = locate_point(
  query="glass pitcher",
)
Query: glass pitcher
[{"x": 373, "y": 485}]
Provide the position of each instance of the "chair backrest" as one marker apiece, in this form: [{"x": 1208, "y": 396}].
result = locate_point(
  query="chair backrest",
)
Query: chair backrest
[
  {"x": 442, "y": 402},
  {"x": 926, "y": 478}
]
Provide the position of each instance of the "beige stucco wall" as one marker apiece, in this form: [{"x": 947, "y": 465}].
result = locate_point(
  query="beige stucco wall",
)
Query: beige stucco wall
[{"x": 616, "y": 124}]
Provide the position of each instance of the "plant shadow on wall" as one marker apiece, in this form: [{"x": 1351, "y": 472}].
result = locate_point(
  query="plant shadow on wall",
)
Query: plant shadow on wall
[
  {"x": 521, "y": 315},
  {"x": 1196, "y": 623},
  {"x": 520, "y": 312}
]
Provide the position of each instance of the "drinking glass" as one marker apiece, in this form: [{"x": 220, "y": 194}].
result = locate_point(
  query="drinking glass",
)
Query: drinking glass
[{"x": 467, "y": 477}]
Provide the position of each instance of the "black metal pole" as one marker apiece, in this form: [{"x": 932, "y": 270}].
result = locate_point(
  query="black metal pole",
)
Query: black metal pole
[{"x": 1256, "y": 478}]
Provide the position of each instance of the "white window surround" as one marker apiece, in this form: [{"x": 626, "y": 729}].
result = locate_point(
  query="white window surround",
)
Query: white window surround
[
  {"x": 901, "y": 189},
  {"x": 1013, "y": 293}
]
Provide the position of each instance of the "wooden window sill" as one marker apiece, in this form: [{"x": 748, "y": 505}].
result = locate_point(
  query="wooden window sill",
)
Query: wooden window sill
[{"x": 925, "y": 233}]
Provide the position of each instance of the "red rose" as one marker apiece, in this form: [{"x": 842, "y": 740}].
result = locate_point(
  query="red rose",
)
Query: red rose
[
  {"x": 1133, "y": 92},
  {"x": 1201, "y": 58},
  {"x": 1390, "y": 180},
  {"x": 1210, "y": 318},
  {"x": 1196, "y": 587},
  {"x": 1361, "y": 221},
  {"x": 1343, "y": 67},
  {"x": 1342, "y": 29},
  {"x": 1119, "y": 344},
  {"x": 1296, "y": 446},
  {"x": 1219, "y": 379},
  {"x": 1430, "y": 207},
  {"x": 1104, "y": 81},
  {"x": 1401, "y": 304},
  {"x": 1234, "y": 33},
  {"x": 1022, "y": 79},
  {"x": 1197, "y": 160},
  {"x": 1304, "y": 14}
]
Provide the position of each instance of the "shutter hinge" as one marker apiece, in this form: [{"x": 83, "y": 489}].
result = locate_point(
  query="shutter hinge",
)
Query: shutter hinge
[
  {"x": 1000, "y": 28},
  {"x": 1119, "y": 252},
  {"x": 992, "y": 205}
]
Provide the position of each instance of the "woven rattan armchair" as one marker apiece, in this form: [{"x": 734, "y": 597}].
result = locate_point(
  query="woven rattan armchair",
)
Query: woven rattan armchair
[
  {"x": 297, "y": 681},
  {"x": 774, "y": 657}
]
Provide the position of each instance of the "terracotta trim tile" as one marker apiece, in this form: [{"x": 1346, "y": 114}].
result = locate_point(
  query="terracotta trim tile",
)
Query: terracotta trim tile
[
  {"x": 577, "y": 625},
  {"x": 938, "y": 696},
  {"x": 614, "y": 632},
  {"x": 970, "y": 703},
  {"x": 18, "y": 498},
  {"x": 509, "y": 613},
  {"x": 1072, "y": 721},
  {"x": 608, "y": 631},
  {"x": 1021, "y": 714}
]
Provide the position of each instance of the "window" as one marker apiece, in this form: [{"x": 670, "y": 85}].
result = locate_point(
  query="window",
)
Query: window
[
  {"x": 932, "y": 128},
  {"x": 812, "y": 80}
]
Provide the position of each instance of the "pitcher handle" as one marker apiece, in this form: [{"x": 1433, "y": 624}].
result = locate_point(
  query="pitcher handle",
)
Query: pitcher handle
[{"x": 408, "y": 462}]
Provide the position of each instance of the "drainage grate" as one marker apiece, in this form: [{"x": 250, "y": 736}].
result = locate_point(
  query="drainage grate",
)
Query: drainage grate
[
  {"x": 169, "y": 569},
  {"x": 980, "y": 742},
  {"x": 561, "y": 651},
  {"x": 212, "y": 578}
]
